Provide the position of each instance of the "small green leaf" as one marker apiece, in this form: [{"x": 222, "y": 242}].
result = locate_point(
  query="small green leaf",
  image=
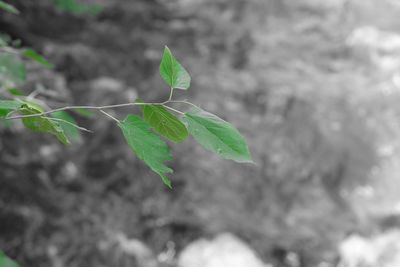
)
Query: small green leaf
[
  {"x": 164, "y": 123},
  {"x": 8, "y": 8},
  {"x": 4, "y": 112},
  {"x": 75, "y": 7},
  {"x": 12, "y": 71},
  {"x": 217, "y": 135},
  {"x": 6, "y": 261},
  {"x": 70, "y": 131},
  {"x": 84, "y": 112},
  {"x": 32, "y": 54},
  {"x": 147, "y": 145},
  {"x": 172, "y": 71},
  {"x": 6, "y": 106},
  {"x": 10, "y": 104},
  {"x": 42, "y": 124},
  {"x": 15, "y": 91}
]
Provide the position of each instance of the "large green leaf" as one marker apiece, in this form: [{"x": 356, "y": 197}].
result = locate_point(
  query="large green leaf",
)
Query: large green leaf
[
  {"x": 6, "y": 261},
  {"x": 70, "y": 131},
  {"x": 12, "y": 71},
  {"x": 172, "y": 71},
  {"x": 147, "y": 145},
  {"x": 32, "y": 54},
  {"x": 217, "y": 135},
  {"x": 42, "y": 124},
  {"x": 165, "y": 123},
  {"x": 8, "y": 8}
]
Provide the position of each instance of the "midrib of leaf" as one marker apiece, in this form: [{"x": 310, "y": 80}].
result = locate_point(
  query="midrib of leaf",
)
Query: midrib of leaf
[{"x": 172, "y": 70}]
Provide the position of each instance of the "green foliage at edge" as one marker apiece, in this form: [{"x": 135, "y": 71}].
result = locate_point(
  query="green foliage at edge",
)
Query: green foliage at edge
[
  {"x": 147, "y": 145},
  {"x": 12, "y": 71},
  {"x": 75, "y": 7},
  {"x": 6, "y": 261},
  {"x": 9, "y": 8}
]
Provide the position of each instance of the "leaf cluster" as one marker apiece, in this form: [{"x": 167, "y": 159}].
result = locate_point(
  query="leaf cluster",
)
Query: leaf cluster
[{"x": 146, "y": 135}]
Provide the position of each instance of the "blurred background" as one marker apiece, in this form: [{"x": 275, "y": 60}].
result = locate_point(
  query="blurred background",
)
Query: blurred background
[{"x": 313, "y": 85}]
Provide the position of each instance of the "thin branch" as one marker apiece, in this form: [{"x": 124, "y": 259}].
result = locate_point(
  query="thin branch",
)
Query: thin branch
[
  {"x": 108, "y": 115},
  {"x": 70, "y": 123},
  {"x": 101, "y": 108},
  {"x": 69, "y": 108},
  {"x": 170, "y": 94},
  {"x": 177, "y": 111},
  {"x": 9, "y": 50},
  {"x": 184, "y": 102}
]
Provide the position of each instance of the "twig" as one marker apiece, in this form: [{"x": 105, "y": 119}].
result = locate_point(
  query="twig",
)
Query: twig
[
  {"x": 69, "y": 108},
  {"x": 170, "y": 95},
  {"x": 108, "y": 115},
  {"x": 9, "y": 50},
  {"x": 177, "y": 111},
  {"x": 101, "y": 108},
  {"x": 184, "y": 102},
  {"x": 70, "y": 123}
]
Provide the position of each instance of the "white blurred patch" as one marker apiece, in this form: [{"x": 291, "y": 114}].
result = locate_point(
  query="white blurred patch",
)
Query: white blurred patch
[
  {"x": 224, "y": 250},
  {"x": 382, "y": 47},
  {"x": 379, "y": 251}
]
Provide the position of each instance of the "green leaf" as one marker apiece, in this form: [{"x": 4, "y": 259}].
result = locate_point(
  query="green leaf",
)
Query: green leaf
[
  {"x": 12, "y": 71},
  {"x": 6, "y": 261},
  {"x": 84, "y": 112},
  {"x": 6, "y": 106},
  {"x": 10, "y": 104},
  {"x": 4, "y": 112},
  {"x": 8, "y": 8},
  {"x": 147, "y": 145},
  {"x": 75, "y": 7},
  {"x": 32, "y": 54},
  {"x": 6, "y": 123},
  {"x": 172, "y": 71},
  {"x": 217, "y": 135},
  {"x": 164, "y": 123},
  {"x": 15, "y": 91},
  {"x": 42, "y": 124},
  {"x": 70, "y": 131}
]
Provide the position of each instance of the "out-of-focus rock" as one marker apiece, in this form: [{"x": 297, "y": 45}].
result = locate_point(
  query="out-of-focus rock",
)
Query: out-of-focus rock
[
  {"x": 136, "y": 248},
  {"x": 381, "y": 47},
  {"x": 224, "y": 250},
  {"x": 382, "y": 250},
  {"x": 106, "y": 84},
  {"x": 374, "y": 38},
  {"x": 107, "y": 90}
]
